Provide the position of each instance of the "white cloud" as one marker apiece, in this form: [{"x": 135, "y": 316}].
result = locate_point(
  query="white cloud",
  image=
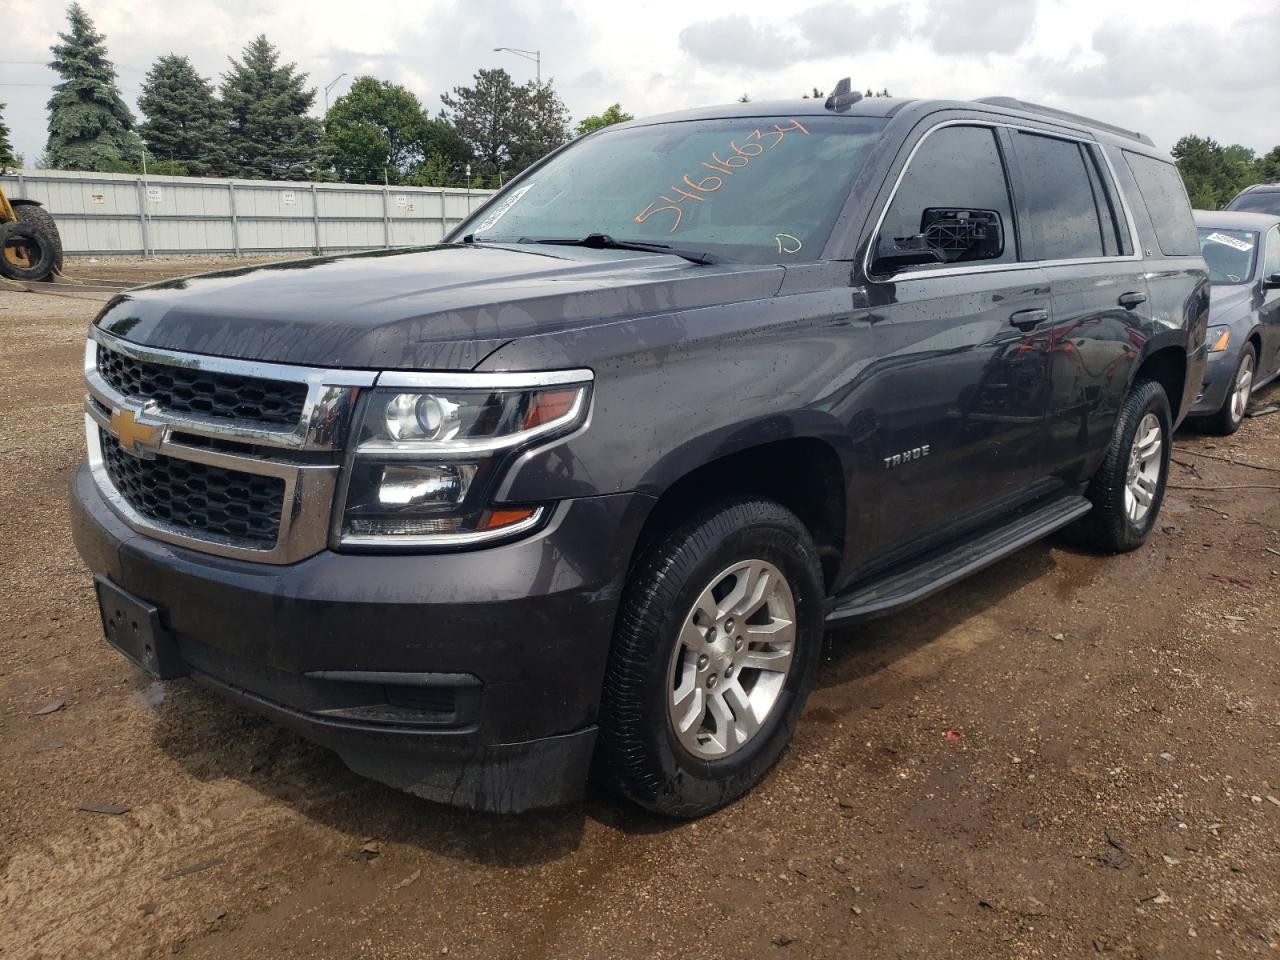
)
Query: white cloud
[{"x": 1167, "y": 68}]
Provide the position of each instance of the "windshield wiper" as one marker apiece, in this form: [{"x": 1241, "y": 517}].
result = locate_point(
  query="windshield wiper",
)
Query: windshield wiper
[{"x": 602, "y": 241}]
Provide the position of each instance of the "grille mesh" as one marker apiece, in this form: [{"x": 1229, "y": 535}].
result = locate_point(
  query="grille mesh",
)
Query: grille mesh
[
  {"x": 183, "y": 390},
  {"x": 197, "y": 497}
]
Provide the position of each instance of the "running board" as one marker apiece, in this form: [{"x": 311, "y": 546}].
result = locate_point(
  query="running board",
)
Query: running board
[{"x": 909, "y": 583}]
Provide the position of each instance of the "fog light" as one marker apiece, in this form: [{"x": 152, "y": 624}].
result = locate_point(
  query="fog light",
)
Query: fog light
[{"x": 442, "y": 484}]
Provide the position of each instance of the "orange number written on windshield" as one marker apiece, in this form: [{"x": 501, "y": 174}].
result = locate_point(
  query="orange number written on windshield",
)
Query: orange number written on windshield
[{"x": 690, "y": 190}]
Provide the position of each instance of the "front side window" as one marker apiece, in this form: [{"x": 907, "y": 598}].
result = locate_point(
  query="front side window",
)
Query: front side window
[
  {"x": 1229, "y": 253},
  {"x": 745, "y": 189},
  {"x": 1271, "y": 266},
  {"x": 951, "y": 206}
]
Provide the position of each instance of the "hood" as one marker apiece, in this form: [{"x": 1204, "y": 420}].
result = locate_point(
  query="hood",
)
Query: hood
[
  {"x": 1229, "y": 302},
  {"x": 444, "y": 308}
]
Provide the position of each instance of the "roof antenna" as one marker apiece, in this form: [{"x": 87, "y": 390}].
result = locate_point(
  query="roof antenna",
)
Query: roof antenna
[{"x": 843, "y": 96}]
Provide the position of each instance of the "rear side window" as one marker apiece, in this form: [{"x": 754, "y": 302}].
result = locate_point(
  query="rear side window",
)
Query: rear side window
[
  {"x": 1257, "y": 201},
  {"x": 1061, "y": 197},
  {"x": 956, "y": 179},
  {"x": 1166, "y": 201}
]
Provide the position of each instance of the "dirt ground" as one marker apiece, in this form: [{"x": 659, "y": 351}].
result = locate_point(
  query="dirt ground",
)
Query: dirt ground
[{"x": 1065, "y": 756}]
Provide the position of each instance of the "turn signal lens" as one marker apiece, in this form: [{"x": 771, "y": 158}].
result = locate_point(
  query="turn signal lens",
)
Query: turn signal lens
[{"x": 1219, "y": 343}]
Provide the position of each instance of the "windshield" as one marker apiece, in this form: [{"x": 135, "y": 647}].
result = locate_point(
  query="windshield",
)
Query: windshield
[
  {"x": 749, "y": 189},
  {"x": 1229, "y": 253}
]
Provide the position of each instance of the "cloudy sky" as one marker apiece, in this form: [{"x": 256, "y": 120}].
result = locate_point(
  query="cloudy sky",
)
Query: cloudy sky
[{"x": 1166, "y": 67}]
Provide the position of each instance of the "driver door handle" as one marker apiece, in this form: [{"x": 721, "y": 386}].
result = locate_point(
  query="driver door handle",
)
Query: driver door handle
[
  {"x": 1131, "y": 300},
  {"x": 1026, "y": 319}
]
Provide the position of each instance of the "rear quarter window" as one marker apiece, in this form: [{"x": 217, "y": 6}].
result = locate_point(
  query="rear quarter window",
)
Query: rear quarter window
[{"x": 1165, "y": 198}]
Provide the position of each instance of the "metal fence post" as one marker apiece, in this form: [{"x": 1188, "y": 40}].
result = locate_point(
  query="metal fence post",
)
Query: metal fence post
[
  {"x": 235, "y": 222},
  {"x": 142, "y": 218},
  {"x": 315, "y": 215},
  {"x": 22, "y": 185},
  {"x": 444, "y": 216},
  {"x": 386, "y": 217}
]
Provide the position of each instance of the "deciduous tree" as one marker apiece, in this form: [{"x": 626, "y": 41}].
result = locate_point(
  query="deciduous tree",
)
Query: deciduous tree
[{"x": 612, "y": 115}]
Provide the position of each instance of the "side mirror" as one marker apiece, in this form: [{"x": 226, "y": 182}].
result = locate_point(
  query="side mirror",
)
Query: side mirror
[
  {"x": 895, "y": 252},
  {"x": 1272, "y": 282},
  {"x": 964, "y": 234},
  {"x": 947, "y": 235}
]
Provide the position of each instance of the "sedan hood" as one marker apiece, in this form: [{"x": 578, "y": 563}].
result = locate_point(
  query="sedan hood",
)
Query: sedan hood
[{"x": 442, "y": 308}]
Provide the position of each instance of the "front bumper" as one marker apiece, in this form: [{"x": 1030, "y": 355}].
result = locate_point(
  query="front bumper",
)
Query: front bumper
[
  {"x": 1215, "y": 383},
  {"x": 470, "y": 678}
]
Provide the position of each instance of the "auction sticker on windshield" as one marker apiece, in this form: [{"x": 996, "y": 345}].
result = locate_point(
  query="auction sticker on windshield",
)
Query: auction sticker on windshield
[
  {"x": 503, "y": 207},
  {"x": 1234, "y": 242}
]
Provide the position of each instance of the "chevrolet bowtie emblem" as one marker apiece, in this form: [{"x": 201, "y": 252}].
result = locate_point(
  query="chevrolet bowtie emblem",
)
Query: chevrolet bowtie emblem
[{"x": 136, "y": 434}]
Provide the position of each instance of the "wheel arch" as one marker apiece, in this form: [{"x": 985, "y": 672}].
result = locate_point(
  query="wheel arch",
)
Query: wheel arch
[
  {"x": 1167, "y": 365},
  {"x": 804, "y": 473}
]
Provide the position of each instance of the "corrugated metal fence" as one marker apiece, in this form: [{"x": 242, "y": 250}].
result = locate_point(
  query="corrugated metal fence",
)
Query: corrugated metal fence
[{"x": 116, "y": 213}]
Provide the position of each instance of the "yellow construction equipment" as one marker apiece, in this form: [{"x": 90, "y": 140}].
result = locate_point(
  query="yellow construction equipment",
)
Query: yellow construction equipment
[{"x": 30, "y": 247}]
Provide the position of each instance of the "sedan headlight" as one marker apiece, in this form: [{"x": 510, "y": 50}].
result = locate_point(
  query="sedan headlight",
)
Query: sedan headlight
[
  {"x": 431, "y": 448},
  {"x": 1218, "y": 338}
]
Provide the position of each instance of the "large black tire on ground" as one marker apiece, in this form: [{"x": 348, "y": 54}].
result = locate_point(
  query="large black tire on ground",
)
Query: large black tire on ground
[
  {"x": 638, "y": 753},
  {"x": 42, "y": 219},
  {"x": 1108, "y": 526},
  {"x": 1225, "y": 422},
  {"x": 38, "y": 253}
]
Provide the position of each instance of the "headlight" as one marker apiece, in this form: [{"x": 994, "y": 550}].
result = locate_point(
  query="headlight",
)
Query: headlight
[
  {"x": 1218, "y": 338},
  {"x": 430, "y": 449}
]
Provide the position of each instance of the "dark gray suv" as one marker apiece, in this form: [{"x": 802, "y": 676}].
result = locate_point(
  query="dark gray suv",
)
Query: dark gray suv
[{"x": 577, "y": 490}]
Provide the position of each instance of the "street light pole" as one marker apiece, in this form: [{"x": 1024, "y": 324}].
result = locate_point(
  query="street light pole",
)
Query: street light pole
[
  {"x": 332, "y": 84},
  {"x": 534, "y": 55}
]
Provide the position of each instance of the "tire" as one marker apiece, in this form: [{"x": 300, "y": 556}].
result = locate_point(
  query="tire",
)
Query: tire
[
  {"x": 42, "y": 219},
  {"x": 36, "y": 261},
  {"x": 1229, "y": 417},
  {"x": 640, "y": 753},
  {"x": 1111, "y": 525}
]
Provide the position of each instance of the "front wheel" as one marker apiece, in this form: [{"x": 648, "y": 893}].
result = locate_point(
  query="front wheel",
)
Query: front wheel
[
  {"x": 1129, "y": 487},
  {"x": 1228, "y": 419},
  {"x": 716, "y": 649}
]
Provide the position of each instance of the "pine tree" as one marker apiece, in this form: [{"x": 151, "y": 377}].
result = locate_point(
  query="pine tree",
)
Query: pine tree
[
  {"x": 89, "y": 125},
  {"x": 185, "y": 122},
  {"x": 545, "y": 127},
  {"x": 269, "y": 133},
  {"x": 7, "y": 157},
  {"x": 490, "y": 118}
]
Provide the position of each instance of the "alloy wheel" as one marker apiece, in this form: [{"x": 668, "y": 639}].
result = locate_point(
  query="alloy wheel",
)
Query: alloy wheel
[
  {"x": 731, "y": 660},
  {"x": 1145, "y": 464}
]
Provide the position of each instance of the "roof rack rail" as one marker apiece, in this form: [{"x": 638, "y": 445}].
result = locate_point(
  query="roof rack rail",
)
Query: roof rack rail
[{"x": 1013, "y": 103}]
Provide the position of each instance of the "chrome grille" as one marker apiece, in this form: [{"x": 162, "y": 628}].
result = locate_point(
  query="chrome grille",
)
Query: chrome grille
[
  {"x": 191, "y": 390},
  {"x": 234, "y": 457},
  {"x": 197, "y": 497}
]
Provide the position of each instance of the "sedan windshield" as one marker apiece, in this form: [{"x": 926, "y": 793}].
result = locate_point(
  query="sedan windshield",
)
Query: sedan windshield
[
  {"x": 1230, "y": 254},
  {"x": 748, "y": 189}
]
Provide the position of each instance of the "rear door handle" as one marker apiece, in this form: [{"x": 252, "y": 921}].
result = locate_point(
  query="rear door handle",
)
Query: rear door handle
[
  {"x": 1026, "y": 319},
  {"x": 1131, "y": 300}
]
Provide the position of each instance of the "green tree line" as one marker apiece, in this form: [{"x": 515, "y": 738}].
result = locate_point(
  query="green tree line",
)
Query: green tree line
[
  {"x": 1214, "y": 173},
  {"x": 256, "y": 122}
]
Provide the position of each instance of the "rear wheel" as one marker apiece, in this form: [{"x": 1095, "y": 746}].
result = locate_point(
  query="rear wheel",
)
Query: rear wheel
[
  {"x": 715, "y": 652},
  {"x": 42, "y": 220},
  {"x": 1229, "y": 417},
  {"x": 1129, "y": 487}
]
